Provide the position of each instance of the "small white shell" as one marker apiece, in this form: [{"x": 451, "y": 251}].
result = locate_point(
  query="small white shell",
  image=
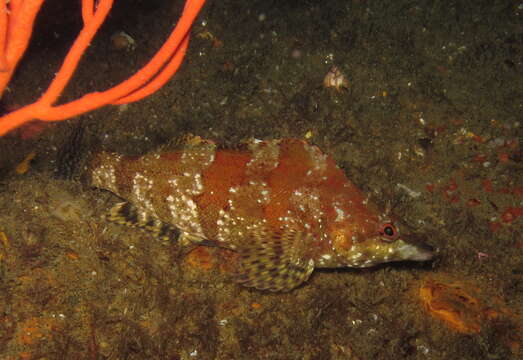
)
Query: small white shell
[
  {"x": 335, "y": 79},
  {"x": 123, "y": 41}
]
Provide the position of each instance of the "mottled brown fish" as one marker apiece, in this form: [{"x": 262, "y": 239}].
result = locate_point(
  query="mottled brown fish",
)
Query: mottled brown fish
[{"x": 283, "y": 205}]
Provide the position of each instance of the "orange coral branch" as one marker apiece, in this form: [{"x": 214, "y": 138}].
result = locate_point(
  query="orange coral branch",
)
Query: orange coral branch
[
  {"x": 16, "y": 26},
  {"x": 3, "y": 33},
  {"x": 76, "y": 51},
  {"x": 87, "y": 10},
  {"x": 146, "y": 81}
]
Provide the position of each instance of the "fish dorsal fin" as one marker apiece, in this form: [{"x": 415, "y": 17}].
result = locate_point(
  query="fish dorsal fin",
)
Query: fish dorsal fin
[{"x": 275, "y": 260}]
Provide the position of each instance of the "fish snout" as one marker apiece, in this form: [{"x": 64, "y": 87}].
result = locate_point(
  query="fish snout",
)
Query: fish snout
[
  {"x": 416, "y": 249},
  {"x": 425, "y": 252}
]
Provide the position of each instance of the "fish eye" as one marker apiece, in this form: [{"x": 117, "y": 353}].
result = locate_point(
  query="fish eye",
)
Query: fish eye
[{"x": 389, "y": 231}]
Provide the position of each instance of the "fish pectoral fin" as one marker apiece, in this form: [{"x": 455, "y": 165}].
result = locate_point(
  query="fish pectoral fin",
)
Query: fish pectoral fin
[
  {"x": 125, "y": 213},
  {"x": 275, "y": 260}
]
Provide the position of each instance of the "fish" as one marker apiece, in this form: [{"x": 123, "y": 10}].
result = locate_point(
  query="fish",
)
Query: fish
[{"x": 282, "y": 205}]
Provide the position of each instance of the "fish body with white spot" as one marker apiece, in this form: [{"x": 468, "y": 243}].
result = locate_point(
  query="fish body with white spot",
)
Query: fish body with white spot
[{"x": 283, "y": 205}]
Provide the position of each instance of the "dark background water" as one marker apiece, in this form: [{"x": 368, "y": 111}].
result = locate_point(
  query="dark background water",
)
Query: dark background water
[{"x": 430, "y": 123}]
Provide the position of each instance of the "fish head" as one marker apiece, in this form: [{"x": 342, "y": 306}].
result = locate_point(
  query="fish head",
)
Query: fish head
[
  {"x": 359, "y": 233},
  {"x": 374, "y": 241}
]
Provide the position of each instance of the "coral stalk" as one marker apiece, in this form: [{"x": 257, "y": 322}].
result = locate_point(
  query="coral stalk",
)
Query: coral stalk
[{"x": 146, "y": 81}]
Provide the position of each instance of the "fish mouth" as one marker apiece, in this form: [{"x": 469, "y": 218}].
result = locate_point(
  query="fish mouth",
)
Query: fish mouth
[
  {"x": 425, "y": 252},
  {"x": 418, "y": 251}
]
